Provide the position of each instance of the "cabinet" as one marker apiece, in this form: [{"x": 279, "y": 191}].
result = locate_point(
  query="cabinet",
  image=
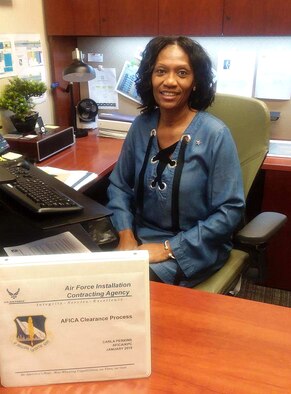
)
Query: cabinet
[
  {"x": 101, "y": 17},
  {"x": 257, "y": 17},
  {"x": 72, "y": 18},
  {"x": 276, "y": 192},
  {"x": 192, "y": 17},
  {"x": 153, "y": 17},
  {"x": 276, "y": 197},
  {"x": 128, "y": 18}
]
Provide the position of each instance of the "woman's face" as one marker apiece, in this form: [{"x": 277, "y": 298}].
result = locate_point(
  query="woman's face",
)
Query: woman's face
[{"x": 172, "y": 78}]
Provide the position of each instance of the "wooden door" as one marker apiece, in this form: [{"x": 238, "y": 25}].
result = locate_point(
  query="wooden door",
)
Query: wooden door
[
  {"x": 257, "y": 17},
  {"x": 191, "y": 17},
  {"x": 59, "y": 17},
  {"x": 86, "y": 17},
  {"x": 128, "y": 18},
  {"x": 72, "y": 18}
]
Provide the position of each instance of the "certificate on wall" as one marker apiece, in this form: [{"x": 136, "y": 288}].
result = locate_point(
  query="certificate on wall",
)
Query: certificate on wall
[
  {"x": 102, "y": 88},
  {"x": 74, "y": 318},
  {"x": 273, "y": 80},
  {"x": 235, "y": 72}
]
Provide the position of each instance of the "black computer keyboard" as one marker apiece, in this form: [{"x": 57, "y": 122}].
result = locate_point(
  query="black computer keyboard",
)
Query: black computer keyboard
[{"x": 32, "y": 192}]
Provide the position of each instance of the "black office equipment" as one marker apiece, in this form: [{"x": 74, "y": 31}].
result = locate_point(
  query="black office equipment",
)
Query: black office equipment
[
  {"x": 44, "y": 144},
  {"x": 78, "y": 71},
  {"x": 4, "y": 146},
  {"x": 32, "y": 192},
  {"x": 5, "y": 175},
  {"x": 87, "y": 110},
  {"x": 40, "y": 126},
  {"x": 91, "y": 209}
]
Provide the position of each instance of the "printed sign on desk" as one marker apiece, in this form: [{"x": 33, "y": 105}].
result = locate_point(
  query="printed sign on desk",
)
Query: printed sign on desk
[{"x": 74, "y": 318}]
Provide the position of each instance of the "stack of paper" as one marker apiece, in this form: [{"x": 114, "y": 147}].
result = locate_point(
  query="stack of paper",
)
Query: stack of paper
[
  {"x": 112, "y": 133},
  {"x": 74, "y": 179},
  {"x": 114, "y": 125},
  {"x": 56, "y": 244}
]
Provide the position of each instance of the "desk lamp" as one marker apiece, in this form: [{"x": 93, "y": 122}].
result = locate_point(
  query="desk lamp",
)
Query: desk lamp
[{"x": 78, "y": 71}]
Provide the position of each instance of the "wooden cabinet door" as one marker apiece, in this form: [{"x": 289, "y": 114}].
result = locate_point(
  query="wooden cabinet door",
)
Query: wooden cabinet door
[
  {"x": 257, "y": 17},
  {"x": 128, "y": 17},
  {"x": 72, "y": 18},
  {"x": 59, "y": 17},
  {"x": 86, "y": 17},
  {"x": 191, "y": 17},
  {"x": 276, "y": 198}
]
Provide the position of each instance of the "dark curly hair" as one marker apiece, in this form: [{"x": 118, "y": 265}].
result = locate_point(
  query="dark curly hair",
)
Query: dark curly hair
[{"x": 201, "y": 98}]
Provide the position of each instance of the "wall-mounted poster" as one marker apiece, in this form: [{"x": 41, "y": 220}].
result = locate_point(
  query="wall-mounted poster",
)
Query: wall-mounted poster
[
  {"x": 101, "y": 88},
  {"x": 21, "y": 54},
  {"x": 126, "y": 81}
]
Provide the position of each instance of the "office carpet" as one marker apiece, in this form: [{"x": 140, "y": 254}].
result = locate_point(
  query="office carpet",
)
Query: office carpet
[{"x": 268, "y": 295}]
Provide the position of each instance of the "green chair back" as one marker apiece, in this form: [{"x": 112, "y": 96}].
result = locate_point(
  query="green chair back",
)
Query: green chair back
[{"x": 249, "y": 122}]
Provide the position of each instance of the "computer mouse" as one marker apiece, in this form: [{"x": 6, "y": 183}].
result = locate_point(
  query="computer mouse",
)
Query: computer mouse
[{"x": 24, "y": 164}]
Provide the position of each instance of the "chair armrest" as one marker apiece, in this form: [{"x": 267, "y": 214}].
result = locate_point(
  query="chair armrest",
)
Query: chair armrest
[{"x": 259, "y": 230}]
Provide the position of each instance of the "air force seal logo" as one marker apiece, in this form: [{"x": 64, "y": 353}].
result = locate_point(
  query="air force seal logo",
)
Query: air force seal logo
[{"x": 30, "y": 330}]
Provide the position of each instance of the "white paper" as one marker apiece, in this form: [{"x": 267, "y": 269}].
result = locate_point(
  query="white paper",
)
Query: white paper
[
  {"x": 74, "y": 318},
  {"x": 280, "y": 148},
  {"x": 273, "y": 80},
  {"x": 11, "y": 156},
  {"x": 61, "y": 243},
  {"x": 112, "y": 134},
  {"x": 73, "y": 178},
  {"x": 102, "y": 88},
  {"x": 95, "y": 57},
  {"x": 235, "y": 72}
]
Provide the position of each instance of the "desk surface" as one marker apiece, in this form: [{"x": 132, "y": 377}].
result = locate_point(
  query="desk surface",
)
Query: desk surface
[
  {"x": 99, "y": 155},
  {"x": 205, "y": 343},
  {"x": 277, "y": 163},
  {"x": 91, "y": 153}
]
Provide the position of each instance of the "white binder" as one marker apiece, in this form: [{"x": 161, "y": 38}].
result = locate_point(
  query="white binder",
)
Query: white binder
[{"x": 73, "y": 318}]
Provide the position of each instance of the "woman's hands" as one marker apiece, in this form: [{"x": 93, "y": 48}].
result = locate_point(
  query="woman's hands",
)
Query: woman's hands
[
  {"x": 127, "y": 240},
  {"x": 157, "y": 251}
]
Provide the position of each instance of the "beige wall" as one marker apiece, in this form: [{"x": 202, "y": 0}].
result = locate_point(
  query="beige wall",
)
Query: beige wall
[
  {"x": 116, "y": 50},
  {"x": 26, "y": 17}
]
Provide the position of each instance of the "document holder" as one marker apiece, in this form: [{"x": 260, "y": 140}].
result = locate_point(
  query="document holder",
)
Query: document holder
[{"x": 74, "y": 318}]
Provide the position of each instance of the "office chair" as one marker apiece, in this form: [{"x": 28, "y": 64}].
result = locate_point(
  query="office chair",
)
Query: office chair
[{"x": 249, "y": 122}]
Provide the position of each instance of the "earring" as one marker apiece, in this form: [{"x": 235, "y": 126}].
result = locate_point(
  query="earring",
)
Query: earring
[{"x": 194, "y": 88}]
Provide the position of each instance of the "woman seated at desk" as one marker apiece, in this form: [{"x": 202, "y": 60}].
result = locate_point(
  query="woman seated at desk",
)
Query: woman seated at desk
[{"x": 176, "y": 190}]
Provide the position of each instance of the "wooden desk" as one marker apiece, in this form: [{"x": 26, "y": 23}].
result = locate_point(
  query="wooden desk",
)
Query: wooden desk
[
  {"x": 204, "y": 343},
  {"x": 92, "y": 153},
  {"x": 275, "y": 163}
]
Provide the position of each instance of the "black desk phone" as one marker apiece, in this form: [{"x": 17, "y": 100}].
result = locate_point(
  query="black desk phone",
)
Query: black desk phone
[
  {"x": 4, "y": 146},
  {"x": 5, "y": 175}
]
